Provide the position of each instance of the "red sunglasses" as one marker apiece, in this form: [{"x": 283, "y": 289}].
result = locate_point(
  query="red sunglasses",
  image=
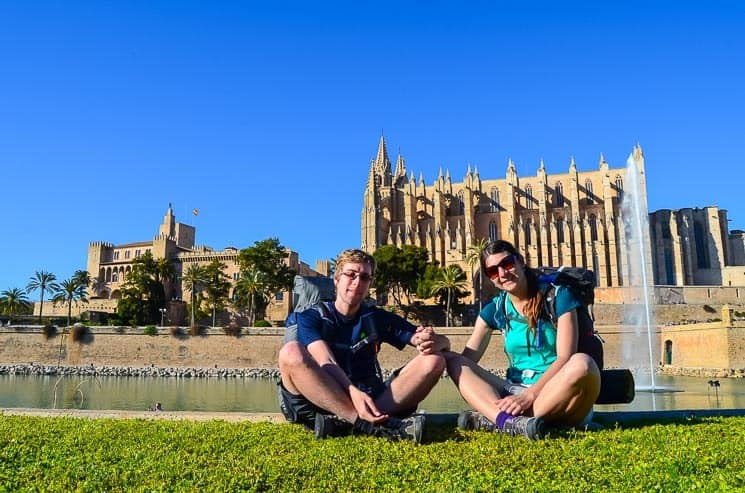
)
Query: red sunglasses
[{"x": 507, "y": 263}]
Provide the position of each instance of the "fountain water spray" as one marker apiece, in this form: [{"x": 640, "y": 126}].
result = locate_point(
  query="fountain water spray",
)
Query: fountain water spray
[{"x": 638, "y": 308}]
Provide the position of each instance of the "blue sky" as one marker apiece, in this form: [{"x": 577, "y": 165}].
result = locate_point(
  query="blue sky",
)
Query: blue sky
[{"x": 264, "y": 116}]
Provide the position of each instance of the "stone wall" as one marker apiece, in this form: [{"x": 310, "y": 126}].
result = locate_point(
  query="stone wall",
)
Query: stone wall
[{"x": 707, "y": 345}]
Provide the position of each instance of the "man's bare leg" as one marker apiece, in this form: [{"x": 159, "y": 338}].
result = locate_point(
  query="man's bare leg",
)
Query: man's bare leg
[{"x": 302, "y": 375}]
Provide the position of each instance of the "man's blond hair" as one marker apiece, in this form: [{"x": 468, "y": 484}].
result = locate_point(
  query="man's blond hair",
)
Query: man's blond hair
[{"x": 355, "y": 256}]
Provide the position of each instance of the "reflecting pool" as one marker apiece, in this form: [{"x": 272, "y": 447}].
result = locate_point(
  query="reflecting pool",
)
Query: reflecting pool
[{"x": 260, "y": 395}]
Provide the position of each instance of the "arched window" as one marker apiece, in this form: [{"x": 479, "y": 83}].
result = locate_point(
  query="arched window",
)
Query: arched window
[
  {"x": 116, "y": 255},
  {"x": 559, "y": 194},
  {"x": 593, "y": 227},
  {"x": 560, "y": 230},
  {"x": 619, "y": 187},
  {"x": 528, "y": 239},
  {"x": 588, "y": 191},
  {"x": 492, "y": 231},
  {"x": 108, "y": 274},
  {"x": 115, "y": 277},
  {"x": 461, "y": 205},
  {"x": 528, "y": 197},
  {"x": 494, "y": 195}
]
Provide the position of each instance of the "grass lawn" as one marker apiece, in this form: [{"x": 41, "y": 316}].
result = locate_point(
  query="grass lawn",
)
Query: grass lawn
[{"x": 74, "y": 454}]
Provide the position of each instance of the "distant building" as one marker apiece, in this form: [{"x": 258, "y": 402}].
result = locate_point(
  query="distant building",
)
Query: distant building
[
  {"x": 111, "y": 264},
  {"x": 573, "y": 218}
]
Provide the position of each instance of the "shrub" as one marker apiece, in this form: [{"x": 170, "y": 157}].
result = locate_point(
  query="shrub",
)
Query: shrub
[
  {"x": 262, "y": 323},
  {"x": 150, "y": 330},
  {"x": 78, "y": 332},
  {"x": 233, "y": 329},
  {"x": 49, "y": 331}
]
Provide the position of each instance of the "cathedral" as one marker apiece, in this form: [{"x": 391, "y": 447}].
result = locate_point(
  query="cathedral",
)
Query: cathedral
[{"x": 574, "y": 219}]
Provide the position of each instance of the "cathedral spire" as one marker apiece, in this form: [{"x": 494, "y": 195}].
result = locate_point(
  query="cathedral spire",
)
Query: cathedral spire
[{"x": 382, "y": 163}]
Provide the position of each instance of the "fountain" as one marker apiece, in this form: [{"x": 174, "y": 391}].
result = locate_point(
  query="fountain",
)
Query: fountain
[{"x": 639, "y": 348}]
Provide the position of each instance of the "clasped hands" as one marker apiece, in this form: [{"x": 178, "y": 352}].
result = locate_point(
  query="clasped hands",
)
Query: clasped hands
[{"x": 426, "y": 341}]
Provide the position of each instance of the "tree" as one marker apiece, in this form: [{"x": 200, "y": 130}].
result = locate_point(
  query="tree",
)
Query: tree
[
  {"x": 473, "y": 257},
  {"x": 43, "y": 281},
  {"x": 14, "y": 301},
  {"x": 451, "y": 280},
  {"x": 399, "y": 270},
  {"x": 143, "y": 292},
  {"x": 70, "y": 290},
  {"x": 269, "y": 258},
  {"x": 217, "y": 286},
  {"x": 194, "y": 279},
  {"x": 251, "y": 292}
]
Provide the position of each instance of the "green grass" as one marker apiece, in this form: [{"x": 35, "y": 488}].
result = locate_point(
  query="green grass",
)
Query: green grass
[{"x": 75, "y": 454}]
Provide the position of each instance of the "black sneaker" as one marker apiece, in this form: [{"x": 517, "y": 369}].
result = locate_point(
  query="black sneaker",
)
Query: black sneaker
[
  {"x": 532, "y": 427},
  {"x": 474, "y": 420},
  {"x": 411, "y": 428},
  {"x": 328, "y": 425}
]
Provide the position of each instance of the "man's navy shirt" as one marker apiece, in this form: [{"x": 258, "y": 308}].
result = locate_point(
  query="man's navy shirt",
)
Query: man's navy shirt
[{"x": 341, "y": 333}]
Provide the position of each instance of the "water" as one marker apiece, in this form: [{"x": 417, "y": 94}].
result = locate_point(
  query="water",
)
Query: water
[
  {"x": 638, "y": 312},
  {"x": 260, "y": 395}
]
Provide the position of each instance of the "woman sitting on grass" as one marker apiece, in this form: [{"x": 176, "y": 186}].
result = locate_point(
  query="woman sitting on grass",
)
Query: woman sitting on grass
[{"x": 547, "y": 381}]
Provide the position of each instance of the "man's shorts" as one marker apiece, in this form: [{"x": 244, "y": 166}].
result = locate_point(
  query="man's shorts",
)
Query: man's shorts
[{"x": 297, "y": 409}]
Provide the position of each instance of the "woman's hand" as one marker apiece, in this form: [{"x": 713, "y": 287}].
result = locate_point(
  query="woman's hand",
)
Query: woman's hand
[{"x": 518, "y": 404}]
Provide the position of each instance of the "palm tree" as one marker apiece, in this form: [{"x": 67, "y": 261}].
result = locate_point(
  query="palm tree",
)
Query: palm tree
[
  {"x": 43, "y": 281},
  {"x": 250, "y": 289},
  {"x": 473, "y": 257},
  {"x": 217, "y": 287},
  {"x": 450, "y": 279},
  {"x": 70, "y": 290},
  {"x": 83, "y": 277},
  {"x": 194, "y": 279},
  {"x": 13, "y": 300}
]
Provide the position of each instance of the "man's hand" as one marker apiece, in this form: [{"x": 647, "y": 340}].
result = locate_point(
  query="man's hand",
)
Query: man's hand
[
  {"x": 427, "y": 341},
  {"x": 365, "y": 406}
]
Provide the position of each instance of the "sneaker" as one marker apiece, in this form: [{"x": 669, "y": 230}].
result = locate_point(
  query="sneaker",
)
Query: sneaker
[
  {"x": 531, "y": 427},
  {"x": 411, "y": 428},
  {"x": 474, "y": 420},
  {"x": 328, "y": 425}
]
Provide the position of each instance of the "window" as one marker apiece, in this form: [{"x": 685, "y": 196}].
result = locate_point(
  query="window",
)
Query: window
[
  {"x": 116, "y": 255},
  {"x": 115, "y": 277},
  {"x": 528, "y": 197},
  {"x": 588, "y": 191},
  {"x": 137, "y": 253},
  {"x": 528, "y": 239},
  {"x": 126, "y": 254},
  {"x": 460, "y": 203},
  {"x": 560, "y": 230},
  {"x": 702, "y": 255},
  {"x": 559, "y": 194},
  {"x": 494, "y": 195},
  {"x": 619, "y": 187},
  {"x": 492, "y": 231},
  {"x": 593, "y": 227}
]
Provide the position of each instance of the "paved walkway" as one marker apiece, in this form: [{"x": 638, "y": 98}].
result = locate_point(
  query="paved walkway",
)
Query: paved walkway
[{"x": 606, "y": 418}]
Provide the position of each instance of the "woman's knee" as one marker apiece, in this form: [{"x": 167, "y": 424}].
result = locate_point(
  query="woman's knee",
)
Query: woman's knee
[{"x": 581, "y": 367}]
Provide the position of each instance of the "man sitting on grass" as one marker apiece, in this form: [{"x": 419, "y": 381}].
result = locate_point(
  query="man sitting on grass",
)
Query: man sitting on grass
[{"x": 331, "y": 378}]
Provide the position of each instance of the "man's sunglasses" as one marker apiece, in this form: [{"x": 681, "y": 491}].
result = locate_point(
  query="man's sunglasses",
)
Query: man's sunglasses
[
  {"x": 507, "y": 263},
  {"x": 352, "y": 275}
]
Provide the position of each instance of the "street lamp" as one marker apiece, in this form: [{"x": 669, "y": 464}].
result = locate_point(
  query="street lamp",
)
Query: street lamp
[{"x": 162, "y": 316}]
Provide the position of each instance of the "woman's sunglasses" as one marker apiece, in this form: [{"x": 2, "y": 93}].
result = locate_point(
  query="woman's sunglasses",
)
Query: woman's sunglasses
[{"x": 507, "y": 263}]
